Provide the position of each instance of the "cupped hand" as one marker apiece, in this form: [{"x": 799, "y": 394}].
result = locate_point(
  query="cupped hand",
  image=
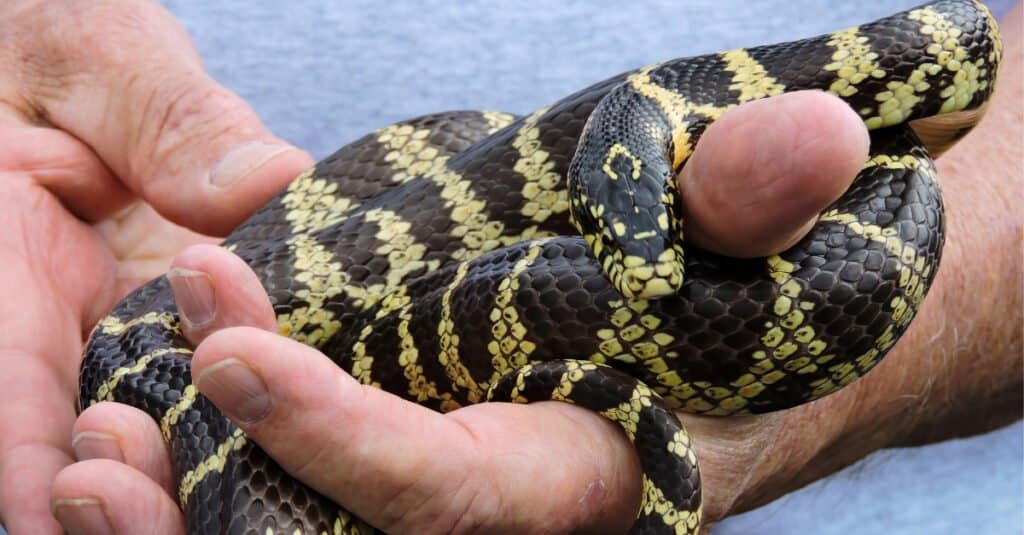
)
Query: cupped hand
[
  {"x": 755, "y": 184},
  {"x": 111, "y": 135}
]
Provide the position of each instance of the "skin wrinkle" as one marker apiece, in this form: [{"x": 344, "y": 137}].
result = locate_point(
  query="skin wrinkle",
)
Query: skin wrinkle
[
  {"x": 113, "y": 33},
  {"x": 69, "y": 281},
  {"x": 188, "y": 105},
  {"x": 151, "y": 106},
  {"x": 589, "y": 427},
  {"x": 311, "y": 462},
  {"x": 174, "y": 109},
  {"x": 399, "y": 510},
  {"x": 129, "y": 244},
  {"x": 123, "y": 60},
  {"x": 54, "y": 170},
  {"x": 773, "y": 459},
  {"x": 476, "y": 493},
  {"x": 465, "y": 521},
  {"x": 133, "y": 268},
  {"x": 340, "y": 446},
  {"x": 817, "y": 189},
  {"x": 508, "y": 473},
  {"x": 47, "y": 73},
  {"x": 16, "y": 226},
  {"x": 763, "y": 448},
  {"x": 15, "y": 110},
  {"x": 83, "y": 184},
  {"x": 756, "y": 433}
]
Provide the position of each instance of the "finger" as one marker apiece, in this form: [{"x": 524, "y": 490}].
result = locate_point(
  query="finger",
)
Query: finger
[
  {"x": 102, "y": 496},
  {"x": 63, "y": 165},
  {"x": 25, "y": 475},
  {"x": 124, "y": 434},
  {"x": 34, "y": 444},
  {"x": 40, "y": 347},
  {"x": 761, "y": 174},
  {"x": 133, "y": 89},
  {"x": 215, "y": 289},
  {"x": 403, "y": 467}
]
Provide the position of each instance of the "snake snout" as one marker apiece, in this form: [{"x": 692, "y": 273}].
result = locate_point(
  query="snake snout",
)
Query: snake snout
[
  {"x": 641, "y": 251},
  {"x": 650, "y": 270}
]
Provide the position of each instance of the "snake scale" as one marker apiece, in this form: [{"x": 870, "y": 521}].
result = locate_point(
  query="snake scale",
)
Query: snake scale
[{"x": 470, "y": 256}]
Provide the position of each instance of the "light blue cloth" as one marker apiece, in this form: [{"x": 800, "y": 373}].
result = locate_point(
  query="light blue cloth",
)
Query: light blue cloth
[{"x": 322, "y": 73}]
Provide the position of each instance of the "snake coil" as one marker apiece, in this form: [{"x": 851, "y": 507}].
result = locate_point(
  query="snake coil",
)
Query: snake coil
[{"x": 448, "y": 259}]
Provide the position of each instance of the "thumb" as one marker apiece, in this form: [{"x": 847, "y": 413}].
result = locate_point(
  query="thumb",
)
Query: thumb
[
  {"x": 760, "y": 175},
  {"x": 134, "y": 90}
]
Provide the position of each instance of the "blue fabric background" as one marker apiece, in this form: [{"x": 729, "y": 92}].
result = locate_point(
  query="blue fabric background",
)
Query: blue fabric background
[{"x": 322, "y": 73}]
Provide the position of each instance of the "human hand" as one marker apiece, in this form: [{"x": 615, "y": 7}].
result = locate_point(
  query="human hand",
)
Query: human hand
[
  {"x": 106, "y": 120},
  {"x": 404, "y": 468}
]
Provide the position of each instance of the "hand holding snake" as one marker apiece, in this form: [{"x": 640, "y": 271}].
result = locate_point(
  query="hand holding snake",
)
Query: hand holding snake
[
  {"x": 609, "y": 474},
  {"x": 706, "y": 470}
]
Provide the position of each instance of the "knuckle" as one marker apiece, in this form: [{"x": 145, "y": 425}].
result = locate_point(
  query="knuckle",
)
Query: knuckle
[
  {"x": 462, "y": 501},
  {"x": 178, "y": 113},
  {"x": 196, "y": 104},
  {"x": 458, "y": 506}
]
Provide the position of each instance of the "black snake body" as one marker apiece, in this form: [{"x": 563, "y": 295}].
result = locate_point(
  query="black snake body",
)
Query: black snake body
[{"x": 437, "y": 259}]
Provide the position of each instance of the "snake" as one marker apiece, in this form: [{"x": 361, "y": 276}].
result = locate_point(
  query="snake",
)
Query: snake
[{"x": 478, "y": 256}]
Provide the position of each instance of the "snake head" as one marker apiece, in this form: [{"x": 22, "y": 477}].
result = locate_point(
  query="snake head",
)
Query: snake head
[{"x": 627, "y": 208}]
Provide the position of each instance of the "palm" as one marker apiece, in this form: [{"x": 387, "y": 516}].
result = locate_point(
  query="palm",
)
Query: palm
[
  {"x": 69, "y": 273},
  {"x": 143, "y": 244}
]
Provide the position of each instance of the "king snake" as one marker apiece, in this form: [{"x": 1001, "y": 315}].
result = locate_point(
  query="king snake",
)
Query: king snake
[{"x": 465, "y": 257}]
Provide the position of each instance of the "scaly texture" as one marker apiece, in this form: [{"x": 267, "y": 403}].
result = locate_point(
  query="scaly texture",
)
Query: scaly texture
[{"x": 438, "y": 259}]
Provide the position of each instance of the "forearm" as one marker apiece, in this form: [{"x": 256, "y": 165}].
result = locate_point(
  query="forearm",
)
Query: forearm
[{"x": 958, "y": 369}]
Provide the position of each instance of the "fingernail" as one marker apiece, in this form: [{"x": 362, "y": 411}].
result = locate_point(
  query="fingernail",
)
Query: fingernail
[
  {"x": 96, "y": 445},
  {"x": 241, "y": 161},
  {"x": 235, "y": 389},
  {"x": 81, "y": 515},
  {"x": 193, "y": 293}
]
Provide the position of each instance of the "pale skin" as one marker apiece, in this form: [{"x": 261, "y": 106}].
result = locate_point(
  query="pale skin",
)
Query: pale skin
[{"x": 95, "y": 142}]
